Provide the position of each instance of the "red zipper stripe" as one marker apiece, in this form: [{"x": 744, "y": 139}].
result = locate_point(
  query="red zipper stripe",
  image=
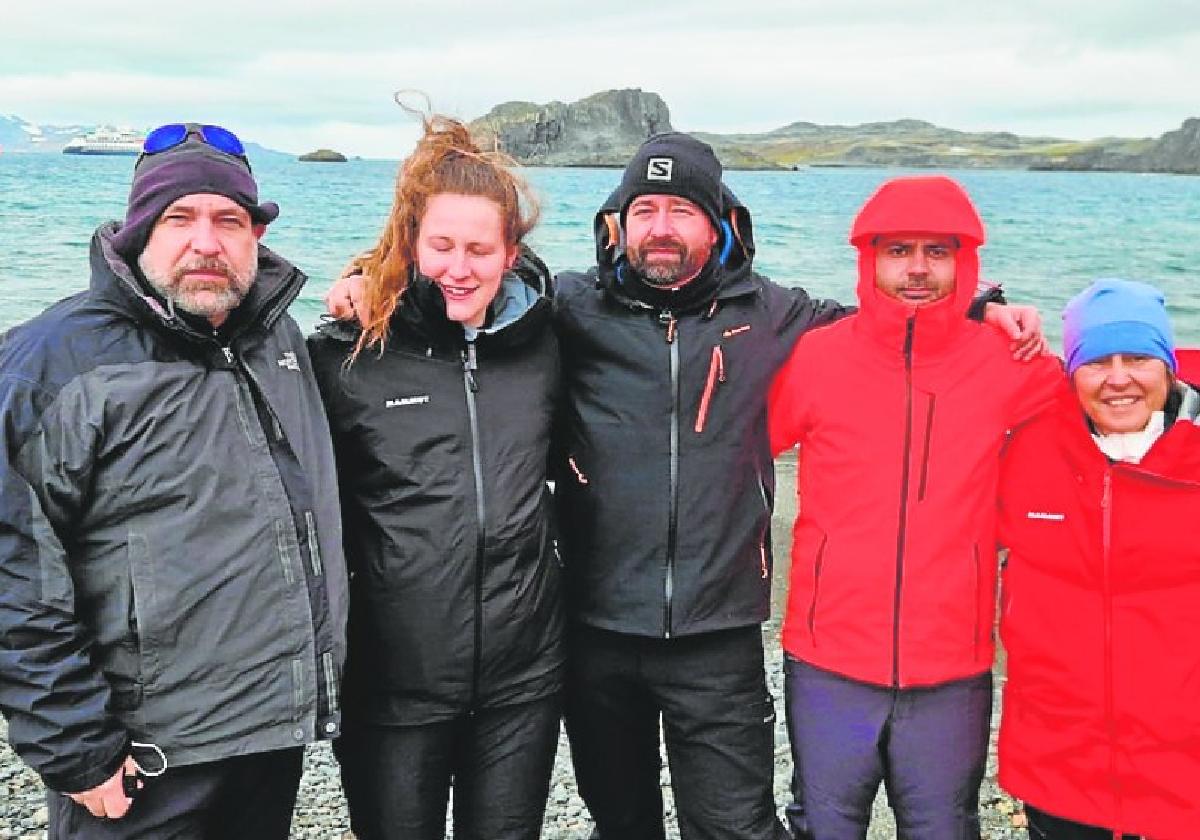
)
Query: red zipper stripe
[{"x": 716, "y": 373}]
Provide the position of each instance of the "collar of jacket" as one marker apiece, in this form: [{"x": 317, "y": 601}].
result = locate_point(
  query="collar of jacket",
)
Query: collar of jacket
[
  {"x": 420, "y": 318},
  {"x": 1174, "y": 456},
  {"x": 937, "y": 326},
  {"x": 115, "y": 282}
]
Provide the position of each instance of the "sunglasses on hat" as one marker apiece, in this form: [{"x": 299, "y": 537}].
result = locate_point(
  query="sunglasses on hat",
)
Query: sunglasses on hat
[{"x": 174, "y": 134}]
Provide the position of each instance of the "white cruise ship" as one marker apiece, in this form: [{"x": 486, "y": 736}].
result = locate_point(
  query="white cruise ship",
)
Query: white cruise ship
[{"x": 106, "y": 141}]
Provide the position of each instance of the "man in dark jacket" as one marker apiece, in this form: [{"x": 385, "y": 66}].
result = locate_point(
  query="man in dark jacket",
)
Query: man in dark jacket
[
  {"x": 173, "y": 608},
  {"x": 665, "y": 487}
]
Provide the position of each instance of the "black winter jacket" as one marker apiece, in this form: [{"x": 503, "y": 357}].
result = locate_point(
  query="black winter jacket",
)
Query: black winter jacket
[
  {"x": 442, "y": 448},
  {"x": 665, "y": 481},
  {"x": 170, "y": 544}
]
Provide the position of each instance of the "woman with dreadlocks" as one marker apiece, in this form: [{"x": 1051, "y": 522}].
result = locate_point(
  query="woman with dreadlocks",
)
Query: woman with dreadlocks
[{"x": 440, "y": 405}]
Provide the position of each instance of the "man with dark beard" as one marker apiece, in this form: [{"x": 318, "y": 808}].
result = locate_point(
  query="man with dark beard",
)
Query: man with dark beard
[{"x": 173, "y": 609}]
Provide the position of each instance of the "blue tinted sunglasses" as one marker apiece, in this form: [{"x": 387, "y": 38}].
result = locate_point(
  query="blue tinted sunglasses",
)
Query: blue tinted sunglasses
[{"x": 173, "y": 134}]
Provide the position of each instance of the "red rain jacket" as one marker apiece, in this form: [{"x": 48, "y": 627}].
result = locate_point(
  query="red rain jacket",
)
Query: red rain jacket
[
  {"x": 1101, "y": 620},
  {"x": 900, "y": 414}
]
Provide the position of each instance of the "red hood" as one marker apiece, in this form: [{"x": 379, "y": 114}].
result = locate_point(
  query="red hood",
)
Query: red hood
[{"x": 922, "y": 204}]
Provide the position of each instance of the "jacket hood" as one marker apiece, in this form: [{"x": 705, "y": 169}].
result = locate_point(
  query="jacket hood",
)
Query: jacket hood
[
  {"x": 734, "y": 250},
  {"x": 113, "y": 280},
  {"x": 921, "y": 204}
]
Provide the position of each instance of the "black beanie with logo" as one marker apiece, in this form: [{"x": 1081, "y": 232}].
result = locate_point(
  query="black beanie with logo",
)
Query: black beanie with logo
[{"x": 674, "y": 163}]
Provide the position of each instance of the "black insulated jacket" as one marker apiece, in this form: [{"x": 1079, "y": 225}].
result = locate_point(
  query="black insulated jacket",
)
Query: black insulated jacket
[
  {"x": 664, "y": 476},
  {"x": 442, "y": 446}
]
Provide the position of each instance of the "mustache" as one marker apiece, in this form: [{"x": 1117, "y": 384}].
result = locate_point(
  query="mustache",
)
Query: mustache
[
  {"x": 212, "y": 264},
  {"x": 662, "y": 242}
]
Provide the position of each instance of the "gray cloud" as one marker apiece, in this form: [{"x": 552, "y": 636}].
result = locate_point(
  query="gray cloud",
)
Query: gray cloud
[{"x": 309, "y": 70}]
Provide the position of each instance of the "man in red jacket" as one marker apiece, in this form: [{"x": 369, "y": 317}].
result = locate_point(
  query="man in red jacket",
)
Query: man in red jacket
[{"x": 900, "y": 411}]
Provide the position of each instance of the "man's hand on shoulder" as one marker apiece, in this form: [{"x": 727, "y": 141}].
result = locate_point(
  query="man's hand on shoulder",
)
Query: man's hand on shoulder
[
  {"x": 344, "y": 300},
  {"x": 108, "y": 799},
  {"x": 1022, "y": 324}
]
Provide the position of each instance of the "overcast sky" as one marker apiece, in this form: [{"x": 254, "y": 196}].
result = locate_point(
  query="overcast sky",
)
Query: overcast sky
[{"x": 301, "y": 74}]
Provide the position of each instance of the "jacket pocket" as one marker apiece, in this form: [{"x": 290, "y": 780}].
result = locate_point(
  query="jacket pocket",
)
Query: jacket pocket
[
  {"x": 925, "y": 449},
  {"x": 764, "y": 540},
  {"x": 812, "y": 607},
  {"x": 979, "y": 601},
  {"x": 141, "y": 578},
  {"x": 716, "y": 375}
]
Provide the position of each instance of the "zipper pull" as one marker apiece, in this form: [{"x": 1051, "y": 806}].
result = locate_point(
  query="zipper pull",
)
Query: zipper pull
[
  {"x": 469, "y": 367},
  {"x": 228, "y": 351},
  {"x": 909, "y": 326},
  {"x": 720, "y": 355},
  {"x": 667, "y": 318}
]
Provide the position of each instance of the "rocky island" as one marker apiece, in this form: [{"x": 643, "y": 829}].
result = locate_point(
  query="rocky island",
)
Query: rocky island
[
  {"x": 323, "y": 156},
  {"x": 604, "y": 129}
]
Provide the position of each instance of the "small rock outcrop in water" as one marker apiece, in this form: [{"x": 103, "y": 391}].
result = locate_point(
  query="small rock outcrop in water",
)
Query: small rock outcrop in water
[
  {"x": 602, "y": 130},
  {"x": 323, "y": 156}
]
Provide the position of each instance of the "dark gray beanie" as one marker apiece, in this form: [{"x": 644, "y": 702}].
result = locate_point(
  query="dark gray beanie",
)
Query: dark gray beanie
[
  {"x": 191, "y": 167},
  {"x": 674, "y": 163}
]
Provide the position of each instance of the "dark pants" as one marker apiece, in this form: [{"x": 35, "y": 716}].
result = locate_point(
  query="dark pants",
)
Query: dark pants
[
  {"x": 397, "y": 778},
  {"x": 249, "y": 797},
  {"x": 927, "y": 745},
  {"x": 1043, "y": 826},
  {"x": 718, "y": 721}
]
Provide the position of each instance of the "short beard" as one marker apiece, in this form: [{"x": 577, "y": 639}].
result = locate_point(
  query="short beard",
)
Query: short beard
[
  {"x": 666, "y": 274},
  {"x": 207, "y": 301}
]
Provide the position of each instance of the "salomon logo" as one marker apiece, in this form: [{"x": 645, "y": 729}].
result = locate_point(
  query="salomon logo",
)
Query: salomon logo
[
  {"x": 400, "y": 402},
  {"x": 659, "y": 169},
  {"x": 1049, "y": 517},
  {"x": 289, "y": 361}
]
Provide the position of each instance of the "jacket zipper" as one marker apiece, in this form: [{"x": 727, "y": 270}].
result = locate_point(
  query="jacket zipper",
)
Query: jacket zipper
[
  {"x": 716, "y": 375},
  {"x": 1109, "y": 702},
  {"x": 812, "y": 608},
  {"x": 324, "y": 662},
  {"x": 900, "y": 531},
  {"x": 667, "y": 319},
  {"x": 471, "y": 388},
  {"x": 925, "y": 452}
]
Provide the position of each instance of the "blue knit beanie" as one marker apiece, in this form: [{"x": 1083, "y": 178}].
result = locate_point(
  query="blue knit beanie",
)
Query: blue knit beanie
[{"x": 1117, "y": 316}]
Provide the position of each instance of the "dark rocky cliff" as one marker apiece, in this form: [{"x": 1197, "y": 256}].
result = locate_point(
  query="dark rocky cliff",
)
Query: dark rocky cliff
[{"x": 601, "y": 130}]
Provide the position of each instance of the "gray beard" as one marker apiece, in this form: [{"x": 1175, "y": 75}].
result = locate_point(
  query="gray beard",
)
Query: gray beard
[{"x": 205, "y": 303}]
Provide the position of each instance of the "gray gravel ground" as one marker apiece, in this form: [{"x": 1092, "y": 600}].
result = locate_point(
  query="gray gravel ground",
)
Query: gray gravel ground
[{"x": 321, "y": 811}]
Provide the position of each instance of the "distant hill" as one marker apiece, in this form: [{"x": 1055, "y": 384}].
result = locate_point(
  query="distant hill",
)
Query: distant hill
[
  {"x": 1176, "y": 151},
  {"x": 605, "y": 128}
]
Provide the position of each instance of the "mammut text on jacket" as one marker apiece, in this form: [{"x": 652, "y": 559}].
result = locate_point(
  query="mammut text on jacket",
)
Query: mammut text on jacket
[
  {"x": 900, "y": 414},
  {"x": 1101, "y": 718},
  {"x": 664, "y": 478},
  {"x": 442, "y": 446},
  {"x": 169, "y": 539}
]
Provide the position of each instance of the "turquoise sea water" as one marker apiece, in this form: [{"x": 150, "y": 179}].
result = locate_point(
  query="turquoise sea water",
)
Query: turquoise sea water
[{"x": 1049, "y": 233}]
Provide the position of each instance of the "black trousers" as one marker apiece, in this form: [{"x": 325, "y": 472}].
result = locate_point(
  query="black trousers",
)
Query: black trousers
[
  {"x": 250, "y": 797},
  {"x": 718, "y": 721},
  {"x": 398, "y": 778},
  {"x": 1043, "y": 826}
]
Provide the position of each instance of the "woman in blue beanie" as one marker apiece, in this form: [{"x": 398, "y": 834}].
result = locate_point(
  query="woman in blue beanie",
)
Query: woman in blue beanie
[{"x": 1100, "y": 734}]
